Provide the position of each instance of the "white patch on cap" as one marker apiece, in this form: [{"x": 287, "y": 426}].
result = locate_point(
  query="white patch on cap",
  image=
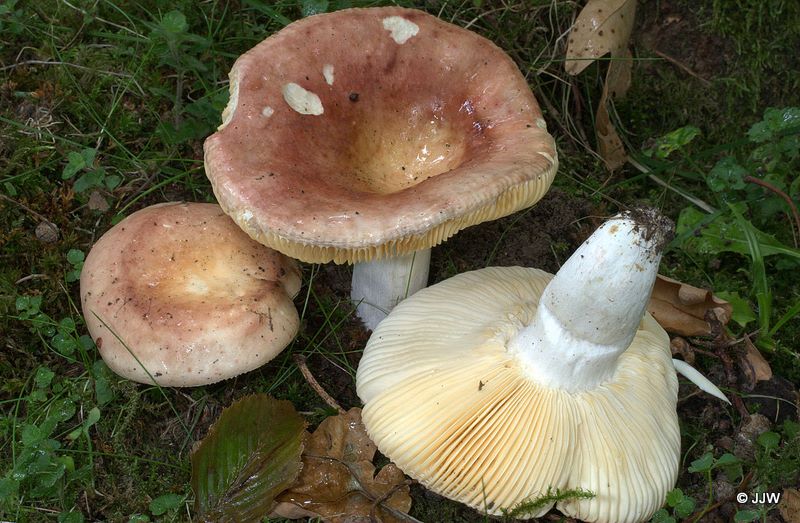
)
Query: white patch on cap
[
  {"x": 327, "y": 72},
  {"x": 247, "y": 215},
  {"x": 541, "y": 124},
  {"x": 302, "y": 100},
  {"x": 267, "y": 111},
  {"x": 549, "y": 157},
  {"x": 400, "y": 28}
]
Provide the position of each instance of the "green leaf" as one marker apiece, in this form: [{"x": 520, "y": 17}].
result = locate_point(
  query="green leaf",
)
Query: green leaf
[
  {"x": 671, "y": 142},
  {"x": 742, "y": 311},
  {"x": 250, "y": 455},
  {"x": 102, "y": 388},
  {"x": 44, "y": 377},
  {"x": 674, "y": 497},
  {"x": 727, "y": 459},
  {"x": 75, "y": 163},
  {"x": 75, "y": 256},
  {"x": 112, "y": 181},
  {"x": 71, "y": 517},
  {"x": 775, "y": 121},
  {"x": 769, "y": 440},
  {"x": 174, "y": 23},
  {"x": 703, "y": 463},
  {"x": 791, "y": 429},
  {"x": 64, "y": 343},
  {"x": 727, "y": 174},
  {"x": 744, "y": 516},
  {"x": 662, "y": 516},
  {"x": 684, "y": 508},
  {"x": 163, "y": 504},
  {"x": 313, "y": 7},
  {"x": 8, "y": 487},
  {"x": 723, "y": 234},
  {"x": 88, "y": 180}
]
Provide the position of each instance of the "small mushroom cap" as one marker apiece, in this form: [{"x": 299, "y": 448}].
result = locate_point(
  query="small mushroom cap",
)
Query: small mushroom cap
[
  {"x": 369, "y": 133},
  {"x": 447, "y": 402},
  {"x": 178, "y": 295}
]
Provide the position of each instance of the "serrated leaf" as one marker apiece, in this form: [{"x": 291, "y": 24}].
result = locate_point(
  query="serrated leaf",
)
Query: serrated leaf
[
  {"x": 724, "y": 234},
  {"x": 603, "y": 26},
  {"x": 703, "y": 463},
  {"x": 775, "y": 121},
  {"x": 742, "y": 313},
  {"x": 685, "y": 507},
  {"x": 727, "y": 174},
  {"x": 75, "y": 256},
  {"x": 44, "y": 377},
  {"x": 769, "y": 440},
  {"x": 250, "y": 455},
  {"x": 174, "y": 23},
  {"x": 162, "y": 504},
  {"x": 662, "y": 516},
  {"x": 672, "y": 141},
  {"x": 674, "y": 497},
  {"x": 744, "y": 516}
]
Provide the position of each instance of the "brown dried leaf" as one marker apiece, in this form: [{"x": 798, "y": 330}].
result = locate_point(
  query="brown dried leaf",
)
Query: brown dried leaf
[
  {"x": 618, "y": 80},
  {"x": 681, "y": 309},
  {"x": 338, "y": 481},
  {"x": 789, "y": 506},
  {"x": 680, "y": 347},
  {"x": 754, "y": 367},
  {"x": 603, "y": 26}
]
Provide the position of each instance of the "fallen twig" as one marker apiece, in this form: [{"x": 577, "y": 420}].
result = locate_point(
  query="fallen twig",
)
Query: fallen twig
[{"x": 314, "y": 384}]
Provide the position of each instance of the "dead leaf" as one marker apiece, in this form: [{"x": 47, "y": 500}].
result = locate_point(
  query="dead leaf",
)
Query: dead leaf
[
  {"x": 618, "y": 80},
  {"x": 680, "y": 347},
  {"x": 338, "y": 481},
  {"x": 603, "y": 26},
  {"x": 681, "y": 308},
  {"x": 789, "y": 506},
  {"x": 753, "y": 365},
  {"x": 97, "y": 202}
]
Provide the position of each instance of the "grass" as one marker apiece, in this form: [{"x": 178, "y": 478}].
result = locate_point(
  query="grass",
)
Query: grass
[{"x": 103, "y": 109}]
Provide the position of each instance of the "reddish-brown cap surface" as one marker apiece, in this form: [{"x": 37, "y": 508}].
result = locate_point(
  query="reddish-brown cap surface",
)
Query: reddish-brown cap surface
[
  {"x": 176, "y": 293},
  {"x": 375, "y": 132}
]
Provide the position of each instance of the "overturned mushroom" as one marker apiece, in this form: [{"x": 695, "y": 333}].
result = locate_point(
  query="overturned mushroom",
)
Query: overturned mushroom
[
  {"x": 501, "y": 385},
  {"x": 176, "y": 294},
  {"x": 368, "y": 136}
]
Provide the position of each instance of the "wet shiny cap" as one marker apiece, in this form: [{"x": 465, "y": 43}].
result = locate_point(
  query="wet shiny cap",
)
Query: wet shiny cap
[
  {"x": 178, "y": 295},
  {"x": 370, "y": 133}
]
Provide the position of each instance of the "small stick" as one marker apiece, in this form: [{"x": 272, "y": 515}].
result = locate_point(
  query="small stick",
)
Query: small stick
[
  {"x": 314, "y": 384},
  {"x": 792, "y": 206},
  {"x": 682, "y": 66}
]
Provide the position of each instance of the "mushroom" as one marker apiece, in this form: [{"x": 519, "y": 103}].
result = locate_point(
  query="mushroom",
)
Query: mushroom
[
  {"x": 176, "y": 294},
  {"x": 368, "y": 136},
  {"x": 503, "y": 385}
]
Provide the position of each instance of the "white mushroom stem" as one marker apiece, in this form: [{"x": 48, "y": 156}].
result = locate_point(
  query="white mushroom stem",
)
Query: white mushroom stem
[
  {"x": 379, "y": 285},
  {"x": 590, "y": 311}
]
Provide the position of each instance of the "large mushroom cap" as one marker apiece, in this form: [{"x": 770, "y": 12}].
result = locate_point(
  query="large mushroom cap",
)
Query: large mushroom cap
[
  {"x": 450, "y": 404},
  {"x": 368, "y": 133},
  {"x": 176, "y": 294}
]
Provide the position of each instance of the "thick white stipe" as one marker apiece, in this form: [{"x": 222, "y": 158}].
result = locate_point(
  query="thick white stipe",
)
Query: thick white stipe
[
  {"x": 591, "y": 310},
  {"x": 379, "y": 285}
]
